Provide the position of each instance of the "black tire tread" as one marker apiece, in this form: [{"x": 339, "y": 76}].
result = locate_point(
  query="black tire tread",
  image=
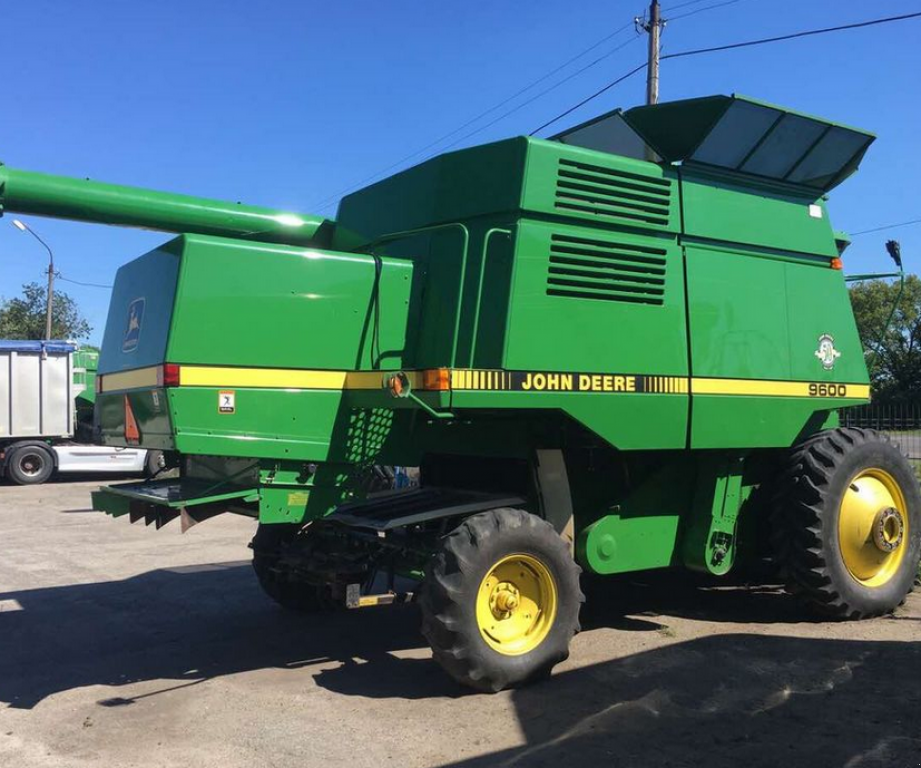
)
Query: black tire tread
[
  {"x": 268, "y": 546},
  {"x": 799, "y": 517},
  {"x": 12, "y": 471},
  {"x": 445, "y": 628}
]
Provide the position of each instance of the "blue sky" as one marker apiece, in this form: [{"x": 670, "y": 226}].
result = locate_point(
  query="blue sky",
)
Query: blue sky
[{"x": 286, "y": 103}]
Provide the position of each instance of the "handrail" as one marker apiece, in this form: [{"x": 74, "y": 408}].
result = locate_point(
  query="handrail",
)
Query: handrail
[
  {"x": 479, "y": 291},
  {"x": 463, "y": 274}
]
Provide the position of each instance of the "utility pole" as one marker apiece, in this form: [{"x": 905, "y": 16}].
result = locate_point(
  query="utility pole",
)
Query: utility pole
[
  {"x": 50, "y": 307},
  {"x": 653, "y": 26}
]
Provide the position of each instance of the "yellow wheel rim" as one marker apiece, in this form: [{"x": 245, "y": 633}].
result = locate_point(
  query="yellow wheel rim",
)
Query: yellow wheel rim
[
  {"x": 873, "y": 527},
  {"x": 516, "y": 604}
]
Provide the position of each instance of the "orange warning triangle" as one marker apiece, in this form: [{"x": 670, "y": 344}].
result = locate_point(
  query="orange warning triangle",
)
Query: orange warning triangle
[{"x": 132, "y": 433}]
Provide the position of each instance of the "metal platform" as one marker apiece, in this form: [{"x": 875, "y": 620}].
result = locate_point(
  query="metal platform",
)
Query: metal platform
[{"x": 400, "y": 508}]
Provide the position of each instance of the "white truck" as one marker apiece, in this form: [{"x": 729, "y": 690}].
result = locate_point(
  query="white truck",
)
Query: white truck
[{"x": 47, "y": 390}]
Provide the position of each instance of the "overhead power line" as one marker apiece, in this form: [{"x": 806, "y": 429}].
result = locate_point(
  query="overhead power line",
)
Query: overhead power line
[
  {"x": 495, "y": 107},
  {"x": 701, "y": 10},
  {"x": 793, "y": 36},
  {"x": 541, "y": 94},
  {"x": 729, "y": 47},
  {"x": 683, "y": 5},
  {"x": 885, "y": 226},
  {"x": 77, "y": 282},
  {"x": 595, "y": 95}
]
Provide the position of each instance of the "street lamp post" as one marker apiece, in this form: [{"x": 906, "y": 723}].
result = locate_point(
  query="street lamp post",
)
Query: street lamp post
[{"x": 23, "y": 228}]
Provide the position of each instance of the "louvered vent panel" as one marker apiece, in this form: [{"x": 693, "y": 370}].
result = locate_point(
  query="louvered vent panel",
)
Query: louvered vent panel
[
  {"x": 607, "y": 270},
  {"x": 612, "y": 194}
]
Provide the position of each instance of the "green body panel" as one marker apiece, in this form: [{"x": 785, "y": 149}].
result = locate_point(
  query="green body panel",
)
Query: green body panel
[
  {"x": 151, "y": 408},
  {"x": 599, "y": 188},
  {"x": 319, "y": 319},
  {"x": 642, "y": 531},
  {"x": 149, "y": 280},
  {"x": 755, "y": 422},
  {"x": 604, "y": 327},
  {"x": 718, "y": 208},
  {"x": 86, "y": 362}
]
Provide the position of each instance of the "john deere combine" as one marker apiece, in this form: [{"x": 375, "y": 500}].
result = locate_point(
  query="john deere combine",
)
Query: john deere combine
[{"x": 608, "y": 352}]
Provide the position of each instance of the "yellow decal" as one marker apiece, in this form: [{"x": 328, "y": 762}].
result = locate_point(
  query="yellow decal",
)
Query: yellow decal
[{"x": 139, "y": 378}]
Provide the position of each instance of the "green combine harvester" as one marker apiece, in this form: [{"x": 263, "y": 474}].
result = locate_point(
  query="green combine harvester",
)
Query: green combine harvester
[{"x": 618, "y": 350}]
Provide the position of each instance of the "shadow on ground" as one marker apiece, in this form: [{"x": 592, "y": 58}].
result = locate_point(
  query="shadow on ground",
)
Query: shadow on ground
[
  {"x": 729, "y": 700},
  {"x": 181, "y": 625}
]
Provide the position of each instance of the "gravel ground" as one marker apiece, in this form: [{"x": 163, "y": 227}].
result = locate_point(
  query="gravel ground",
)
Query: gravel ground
[{"x": 125, "y": 646}]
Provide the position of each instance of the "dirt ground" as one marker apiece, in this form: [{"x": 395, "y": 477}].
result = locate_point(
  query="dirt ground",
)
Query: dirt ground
[{"x": 125, "y": 646}]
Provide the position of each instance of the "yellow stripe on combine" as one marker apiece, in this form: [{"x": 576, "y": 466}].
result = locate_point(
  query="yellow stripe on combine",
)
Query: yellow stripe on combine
[
  {"x": 762, "y": 388},
  {"x": 282, "y": 378}
]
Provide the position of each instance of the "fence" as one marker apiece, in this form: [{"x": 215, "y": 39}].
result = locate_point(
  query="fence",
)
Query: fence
[{"x": 901, "y": 422}]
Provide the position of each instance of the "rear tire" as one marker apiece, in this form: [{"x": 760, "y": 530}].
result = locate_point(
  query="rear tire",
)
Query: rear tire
[
  {"x": 847, "y": 523},
  {"x": 29, "y": 465},
  {"x": 501, "y": 600},
  {"x": 276, "y": 580}
]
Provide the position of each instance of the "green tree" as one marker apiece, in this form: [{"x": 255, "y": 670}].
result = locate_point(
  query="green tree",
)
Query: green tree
[
  {"x": 894, "y": 357},
  {"x": 24, "y": 318}
]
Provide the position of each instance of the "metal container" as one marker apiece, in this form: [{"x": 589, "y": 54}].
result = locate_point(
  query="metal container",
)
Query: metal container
[{"x": 36, "y": 389}]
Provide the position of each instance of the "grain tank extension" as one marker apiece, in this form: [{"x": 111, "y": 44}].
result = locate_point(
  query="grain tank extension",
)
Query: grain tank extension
[{"x": 621, "y": 349}]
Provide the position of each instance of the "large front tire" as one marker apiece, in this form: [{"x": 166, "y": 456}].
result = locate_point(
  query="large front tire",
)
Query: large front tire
[
  {"x": 501, "y": 600},
  {"x": 847, "y": 523}
]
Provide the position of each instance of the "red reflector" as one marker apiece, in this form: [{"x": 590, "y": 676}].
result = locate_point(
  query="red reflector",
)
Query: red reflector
[
  {"x": 132, "y": 433},
  {"x": 836, "y": 263},
  {"x": 170, "y": 375}
]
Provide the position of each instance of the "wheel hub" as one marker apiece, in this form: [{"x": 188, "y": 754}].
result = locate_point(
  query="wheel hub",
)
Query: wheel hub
[
  {"x": 30, "y": 464},
  {"x": 504, "y": 600},
  {"x": 888, "y": 529},
  {"x": 872, "y": 527},
  {"x": 516, "y": 604}
]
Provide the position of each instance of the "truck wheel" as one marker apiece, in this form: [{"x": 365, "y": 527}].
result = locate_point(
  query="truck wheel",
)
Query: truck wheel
[
  {"x": 847, "y": 523},
  {"x": 501, "y": 600},
  {"x": 29, "y": 465},
  {"x": 154, "y": 464},
  {"x": 276, "y": 581}
]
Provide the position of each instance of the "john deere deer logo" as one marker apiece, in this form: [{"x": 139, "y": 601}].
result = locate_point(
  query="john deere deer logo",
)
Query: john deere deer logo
[
  {"x": 133, "y": 331},
  {"x": 827, "y": 352}
]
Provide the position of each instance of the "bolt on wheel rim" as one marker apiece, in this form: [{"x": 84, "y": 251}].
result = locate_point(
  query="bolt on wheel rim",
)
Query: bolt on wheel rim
[
  {"x": 873, "y": 527},
  {"x": 516, "y": 604}
]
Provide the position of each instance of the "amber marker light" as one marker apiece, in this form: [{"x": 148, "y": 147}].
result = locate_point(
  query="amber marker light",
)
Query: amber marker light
[{"x": 437, "y": 379}]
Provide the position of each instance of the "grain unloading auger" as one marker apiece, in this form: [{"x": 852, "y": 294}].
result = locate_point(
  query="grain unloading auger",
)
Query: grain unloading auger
[
  {"x": 622, "y": 349},
  {"x": 42, "y": 194}
]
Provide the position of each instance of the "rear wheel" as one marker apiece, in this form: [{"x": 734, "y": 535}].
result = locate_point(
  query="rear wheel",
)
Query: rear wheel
[
  {"x": 847, "y": 523},
  {"x": 30, "y": 465},
  {"x": 275, "y": 577},
  {"x": 501, "y": 600}
]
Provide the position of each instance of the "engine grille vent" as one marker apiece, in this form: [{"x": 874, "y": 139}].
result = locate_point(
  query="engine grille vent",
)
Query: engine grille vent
[
  {"x": 585, "y": 268},
  {"x": 612, "y": 194}
]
